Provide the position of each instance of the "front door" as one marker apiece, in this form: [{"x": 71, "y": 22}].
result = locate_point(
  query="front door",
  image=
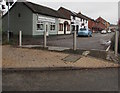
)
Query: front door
[{"x": 64, "y": 28}]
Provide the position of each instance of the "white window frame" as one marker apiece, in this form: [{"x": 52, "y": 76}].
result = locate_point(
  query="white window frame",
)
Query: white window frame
[
  {"x": 41, "y": 23},
  {"x": 51, "y": 24}
]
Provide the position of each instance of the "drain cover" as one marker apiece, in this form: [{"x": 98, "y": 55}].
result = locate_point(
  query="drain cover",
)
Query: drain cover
[{"x": 71, "y": 58}]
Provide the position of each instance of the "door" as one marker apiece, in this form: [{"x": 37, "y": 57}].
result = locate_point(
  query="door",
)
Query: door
[{"x": 64, "y": 28}]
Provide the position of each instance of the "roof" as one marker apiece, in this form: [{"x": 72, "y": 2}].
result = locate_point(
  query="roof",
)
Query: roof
[
  {"x": 35, "y": 8},
  {"x": 84, "y": 16},
  {"x": 102, "y": 19},
  {"x": 70, "y": 12},
  {"x": 43, "y": 10}
]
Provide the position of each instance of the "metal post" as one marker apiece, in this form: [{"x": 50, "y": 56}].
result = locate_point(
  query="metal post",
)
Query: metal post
[
  {"x": 20, "y": 38},
  {"x": 8, "y": 23},
  {"x": 45, "y": 38},
  {"x": 116, "y": 43},
  {"x": 74, "y": 41}
]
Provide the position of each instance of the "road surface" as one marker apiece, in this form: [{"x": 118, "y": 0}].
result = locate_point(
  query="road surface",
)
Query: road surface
[
  {"x": 78, "y": 80},
  {"x": 87, "y": 43}
]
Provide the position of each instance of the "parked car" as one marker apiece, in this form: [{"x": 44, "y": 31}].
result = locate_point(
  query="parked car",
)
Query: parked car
[
  {"x": 85, "y": 32},
  {"x": 103, "y": 32},
  {"x": 109, "y": 31}
]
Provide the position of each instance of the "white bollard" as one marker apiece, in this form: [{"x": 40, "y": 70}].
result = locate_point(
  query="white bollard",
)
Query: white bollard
[
  {"x": 20, "y": 38},
  {"x": 116, "y": 43},
  {"x": 45, "y": 39},
  {"x": 74, "y": 41}
]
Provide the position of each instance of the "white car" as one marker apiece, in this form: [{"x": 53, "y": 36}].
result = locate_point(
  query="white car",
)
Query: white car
[
  {"x": 109, "y": 31},
  {"x": 103, "y": 32}
]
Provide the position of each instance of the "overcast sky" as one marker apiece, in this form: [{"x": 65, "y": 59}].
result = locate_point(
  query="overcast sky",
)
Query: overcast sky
[{"x": 108, "y": 9}]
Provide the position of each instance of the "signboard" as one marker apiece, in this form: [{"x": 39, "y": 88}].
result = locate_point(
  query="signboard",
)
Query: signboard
[{"x": 46, "y": 19}]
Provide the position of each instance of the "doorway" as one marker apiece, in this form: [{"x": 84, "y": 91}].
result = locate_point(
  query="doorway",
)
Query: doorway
[{"x": 65, "y": 27}]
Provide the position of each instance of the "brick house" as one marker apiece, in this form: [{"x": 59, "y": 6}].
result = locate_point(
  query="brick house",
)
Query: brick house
[
  {"x": 103, "y": 22},
  {"x": 98, "y": 25}
]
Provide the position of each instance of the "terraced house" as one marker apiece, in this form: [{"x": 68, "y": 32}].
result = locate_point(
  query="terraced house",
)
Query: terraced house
[
  {"x": 78, "y": 20},
  {"x": 33, "y": 19}
]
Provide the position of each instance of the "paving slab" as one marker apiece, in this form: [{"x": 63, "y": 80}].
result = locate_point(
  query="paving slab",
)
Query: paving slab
[{"x": 72, "y": 58}]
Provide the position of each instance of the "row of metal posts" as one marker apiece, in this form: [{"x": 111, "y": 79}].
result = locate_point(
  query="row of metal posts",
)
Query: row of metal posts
[
  {"x": 45, "y": 40},
  {"x": 74, "y": 41}
]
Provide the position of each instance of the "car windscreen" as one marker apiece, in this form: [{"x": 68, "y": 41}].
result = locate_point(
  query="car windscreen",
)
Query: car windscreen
[{"x": 83, "y": 29}]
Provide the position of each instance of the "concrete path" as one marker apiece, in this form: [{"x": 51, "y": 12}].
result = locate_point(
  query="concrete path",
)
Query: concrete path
[{"x": 34, "y": 58}]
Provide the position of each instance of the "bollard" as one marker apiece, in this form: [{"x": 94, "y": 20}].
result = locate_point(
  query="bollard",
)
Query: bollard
[
  {"x": 74, "y": 41},
  {"x": 116, "y": 43},
  {"x": 45, "y": 38},
  {"x": 8, "y": 36},
  {"x": 20, "y": 38}
]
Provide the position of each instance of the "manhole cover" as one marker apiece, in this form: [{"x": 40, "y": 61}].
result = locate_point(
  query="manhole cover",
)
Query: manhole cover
[{"x": 72, "y": 58}]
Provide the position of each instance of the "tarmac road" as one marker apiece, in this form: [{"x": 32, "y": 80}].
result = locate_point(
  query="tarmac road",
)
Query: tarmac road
[
  {"x": 72, "y": 80},
  {"x": 94, "y": 42},
  {"x": 87, "y": 43}
]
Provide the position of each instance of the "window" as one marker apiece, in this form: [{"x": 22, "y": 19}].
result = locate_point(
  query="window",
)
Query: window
[
  {"x": 73, "y": 28},
  {"x": 40, "y": 26},
  {"x": 82, "y": 24},
  {"x": 68, "y": 27},
  {"x": 52, "y": 26},
  {"x": 60, "y": 27}
]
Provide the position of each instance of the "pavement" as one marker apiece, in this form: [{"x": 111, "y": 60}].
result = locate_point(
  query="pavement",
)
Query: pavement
[{"x": 26, "y": 59}]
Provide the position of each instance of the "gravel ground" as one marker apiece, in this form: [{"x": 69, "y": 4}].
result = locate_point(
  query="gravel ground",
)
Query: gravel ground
[{"x": 23, "y": 58}]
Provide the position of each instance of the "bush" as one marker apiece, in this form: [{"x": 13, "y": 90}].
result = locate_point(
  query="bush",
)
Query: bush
[{"x": 113, "y": 43}]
